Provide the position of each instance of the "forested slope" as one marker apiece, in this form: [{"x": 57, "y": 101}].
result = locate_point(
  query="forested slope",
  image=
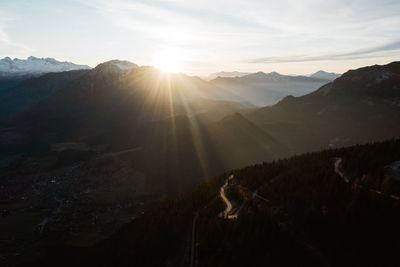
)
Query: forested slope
[{"x": 293, "y": 212}]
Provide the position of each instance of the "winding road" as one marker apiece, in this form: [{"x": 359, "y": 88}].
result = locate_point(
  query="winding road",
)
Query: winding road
[
  {"x": 392, "y": 171},
  {"x": 338, "y": 171},
  {"x": 225, "y": 199}
]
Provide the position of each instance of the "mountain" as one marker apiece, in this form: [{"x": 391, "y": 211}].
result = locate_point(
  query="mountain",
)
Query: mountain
[
  {"x": 116, "y": 66},
  {"x": 337, "y": 207},
  {"x": 28, "y": 92},
  {"x": 115, "y": 135},
  {"x": 107, "y": 105},
  {"x": 360, "y": 106},
  {"x": 325, "y": 75},
  {"x": 265, "y": 88},
  {"x": 36, "y": 65},
  {"x": 20, "y": 91},
  {"x": 231, "y": 74}
]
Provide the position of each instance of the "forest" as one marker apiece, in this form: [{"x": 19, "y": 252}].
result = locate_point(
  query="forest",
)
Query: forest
[{"x": 294, "y": 212}]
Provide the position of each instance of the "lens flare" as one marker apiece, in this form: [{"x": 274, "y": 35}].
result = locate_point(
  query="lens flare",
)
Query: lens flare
[{"x": 168, "y": 61}]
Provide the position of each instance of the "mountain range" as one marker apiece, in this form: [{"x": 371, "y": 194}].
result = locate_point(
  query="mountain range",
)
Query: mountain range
[
  {"x": 19, "y": 92},
  {"x": 34, "y": 65},
  {"x": 319, "y": 75},
  {"x": 97, "y": 148},
  {"x": 263, "y": 89}
]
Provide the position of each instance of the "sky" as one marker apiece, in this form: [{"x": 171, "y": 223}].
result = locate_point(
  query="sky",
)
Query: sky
[{"x": 205, "y": 36}]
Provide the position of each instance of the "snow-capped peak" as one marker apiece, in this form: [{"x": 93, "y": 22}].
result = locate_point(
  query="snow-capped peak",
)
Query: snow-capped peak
[{"x": 37, "y": 65}]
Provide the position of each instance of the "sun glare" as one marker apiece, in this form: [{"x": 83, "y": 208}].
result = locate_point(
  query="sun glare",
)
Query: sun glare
[{"x": 168, "y": 61}]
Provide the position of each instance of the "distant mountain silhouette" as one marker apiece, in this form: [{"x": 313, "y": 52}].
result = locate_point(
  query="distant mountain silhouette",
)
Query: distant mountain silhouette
[
  {"x": 266, "y": 88},
  {"x": 325, "y": 75},
  {"x": 230, "y": 74}
]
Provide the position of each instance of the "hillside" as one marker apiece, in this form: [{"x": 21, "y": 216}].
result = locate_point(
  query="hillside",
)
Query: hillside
[
  {"x": 360, "y": 106},
  {"x": 8, "y": 81},
  {"x": 301, "y": 206},
  {"x": 244, "y": 142},
  {"x": 20, "y": 94}
]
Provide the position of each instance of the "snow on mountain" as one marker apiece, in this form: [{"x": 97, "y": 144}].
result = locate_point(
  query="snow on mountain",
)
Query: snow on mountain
[
  {"x": 36, "y": 65},
  {"x": 325, "y": 75}
]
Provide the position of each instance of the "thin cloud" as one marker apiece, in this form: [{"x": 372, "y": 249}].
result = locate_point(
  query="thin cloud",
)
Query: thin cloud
[
  {"x": 358, "y": 54},
  {"x": 6, "y": 42}
]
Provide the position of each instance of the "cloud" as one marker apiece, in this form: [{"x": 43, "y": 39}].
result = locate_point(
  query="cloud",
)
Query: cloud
[
  {"x": 230, "y": 33},
  {"x": 358, "y": 54},
  {"x": 6, "y": 42},
  {"x": 177, "y": 22},
  {"x": 219, "y": 33},
  {"x": 169, "y": 12}
]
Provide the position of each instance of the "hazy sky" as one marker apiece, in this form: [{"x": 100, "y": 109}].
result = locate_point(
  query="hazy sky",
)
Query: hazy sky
[{"x": 288, "y": 36}]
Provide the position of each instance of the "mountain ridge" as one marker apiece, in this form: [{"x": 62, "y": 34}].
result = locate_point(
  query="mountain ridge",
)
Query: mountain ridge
[
  {"x": 36, "y": 65},
  {"x": 321, "y": 74}
]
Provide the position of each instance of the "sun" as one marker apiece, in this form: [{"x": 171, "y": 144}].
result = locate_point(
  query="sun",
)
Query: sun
[{"x": 168, "y": 61}]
